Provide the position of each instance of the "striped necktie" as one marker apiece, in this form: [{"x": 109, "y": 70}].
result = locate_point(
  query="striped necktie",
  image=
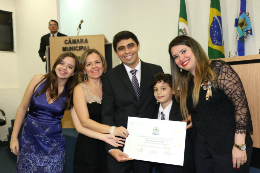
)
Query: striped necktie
[
  {"x": 162, "y": 116},
  {"x": 135, "y": 84}
]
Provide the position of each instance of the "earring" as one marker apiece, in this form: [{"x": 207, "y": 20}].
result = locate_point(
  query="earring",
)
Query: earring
[
  {"x": 180, "y": 69},
  {"x": 85, "y": 77},
  {"x": 157, "y": 101}
]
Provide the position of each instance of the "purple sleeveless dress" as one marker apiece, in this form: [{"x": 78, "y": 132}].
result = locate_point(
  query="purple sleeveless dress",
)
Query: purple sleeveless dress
[{"x": 42, "y": 145}]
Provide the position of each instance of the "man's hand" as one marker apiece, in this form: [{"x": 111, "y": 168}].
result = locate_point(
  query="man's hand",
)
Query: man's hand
[{"x": 119, "y": 155}]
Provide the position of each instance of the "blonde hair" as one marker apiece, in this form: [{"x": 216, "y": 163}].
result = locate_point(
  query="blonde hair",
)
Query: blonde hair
[
  {"x": 180, "y": 80},
  {"x": 83, "y": 58}
]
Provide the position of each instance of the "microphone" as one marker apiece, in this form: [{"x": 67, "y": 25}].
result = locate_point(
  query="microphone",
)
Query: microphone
[{"x": 79, "y": 27}]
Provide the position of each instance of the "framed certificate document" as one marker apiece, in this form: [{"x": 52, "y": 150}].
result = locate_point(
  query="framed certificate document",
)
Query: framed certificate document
[{"x": 156, "y": 140}]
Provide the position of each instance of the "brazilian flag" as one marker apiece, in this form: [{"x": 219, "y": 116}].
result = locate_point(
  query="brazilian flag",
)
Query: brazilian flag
[{"x": 216, "y": 41}]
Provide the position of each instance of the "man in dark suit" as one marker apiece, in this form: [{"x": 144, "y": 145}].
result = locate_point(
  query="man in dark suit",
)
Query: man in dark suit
[
  {"x": 122, "y": 98},
  {"x": 53, "y": 27}
]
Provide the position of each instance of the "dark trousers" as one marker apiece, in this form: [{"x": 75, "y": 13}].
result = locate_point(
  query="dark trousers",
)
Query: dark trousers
[
  {"x": 165, "y": 168},
  {"x": 208, "y": 161},
  {"x": 135, "y": 166}
]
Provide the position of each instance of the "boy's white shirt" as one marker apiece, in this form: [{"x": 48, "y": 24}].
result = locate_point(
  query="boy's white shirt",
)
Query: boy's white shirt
[{"x": 166, "y": 111}]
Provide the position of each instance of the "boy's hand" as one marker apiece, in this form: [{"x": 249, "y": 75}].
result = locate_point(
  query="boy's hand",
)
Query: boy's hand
[{"x": 188, "y": 119}]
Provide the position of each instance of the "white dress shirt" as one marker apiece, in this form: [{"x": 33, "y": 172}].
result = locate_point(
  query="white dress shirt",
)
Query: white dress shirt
[
  {"x": 138, "y": 72},
  {"x": 55, "y": 35},
  {"x": 165, "y": 111}
]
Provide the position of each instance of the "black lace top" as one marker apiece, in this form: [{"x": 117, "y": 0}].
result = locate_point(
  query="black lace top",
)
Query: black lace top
[{"x": 225, "y": 113}]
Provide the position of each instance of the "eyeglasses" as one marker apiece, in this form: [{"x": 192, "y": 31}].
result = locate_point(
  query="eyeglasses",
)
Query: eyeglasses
[{"x": 52, "y": 25}]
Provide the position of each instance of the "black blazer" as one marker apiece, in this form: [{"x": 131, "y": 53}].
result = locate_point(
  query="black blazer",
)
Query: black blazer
[
  {"x": 45, "y": 42},
  {"x": 119, "y": 100},
  {"x": 175, "y": 113},
  {"x": 189, "y": 162}
]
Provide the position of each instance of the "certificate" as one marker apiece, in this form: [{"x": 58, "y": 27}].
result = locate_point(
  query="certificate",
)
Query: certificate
[{"x": 156, "y": 140}]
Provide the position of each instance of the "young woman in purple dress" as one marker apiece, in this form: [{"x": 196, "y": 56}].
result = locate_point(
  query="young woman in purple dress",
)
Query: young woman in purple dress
[{"x": 41, "y": 147}]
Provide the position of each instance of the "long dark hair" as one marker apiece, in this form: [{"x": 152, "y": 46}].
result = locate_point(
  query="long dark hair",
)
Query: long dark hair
[
  {"x": 51, "y": 84},
  {"x": 181, "y": 79}
]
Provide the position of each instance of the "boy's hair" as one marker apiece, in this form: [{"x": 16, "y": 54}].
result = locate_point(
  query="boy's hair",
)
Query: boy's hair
[
  {"x": 161, "y": 77},
  {"x": 124, "y": 35}
]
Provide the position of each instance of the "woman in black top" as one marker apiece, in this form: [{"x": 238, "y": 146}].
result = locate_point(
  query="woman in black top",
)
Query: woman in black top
[{"x": 212, "y": 92}]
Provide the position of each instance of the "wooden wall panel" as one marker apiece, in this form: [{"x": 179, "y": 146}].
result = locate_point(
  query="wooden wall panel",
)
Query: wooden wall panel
[
  {"x": 250, "y": 76},
  {"x": 248, "y": 69}
]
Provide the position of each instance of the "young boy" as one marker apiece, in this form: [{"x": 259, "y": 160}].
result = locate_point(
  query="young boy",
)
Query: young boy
[{"x": 169, "y": 109}]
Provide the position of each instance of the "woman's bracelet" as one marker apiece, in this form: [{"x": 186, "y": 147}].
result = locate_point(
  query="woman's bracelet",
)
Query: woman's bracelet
[
  {"x": 14, "y": 139},
  {"x": 112, "y": 130}
]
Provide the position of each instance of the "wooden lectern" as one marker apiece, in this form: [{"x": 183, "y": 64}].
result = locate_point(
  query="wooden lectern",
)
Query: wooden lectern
[{"x": 77, "y": 45}]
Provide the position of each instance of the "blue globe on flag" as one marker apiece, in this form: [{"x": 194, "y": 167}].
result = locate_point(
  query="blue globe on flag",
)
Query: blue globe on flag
[{"x": 216, "y": 32}]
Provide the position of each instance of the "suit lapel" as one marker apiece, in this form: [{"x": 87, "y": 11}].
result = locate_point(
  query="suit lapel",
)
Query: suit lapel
[
  {"x": 145, "y": 73},
  {"x": 123, "y": 76},
  {"x": 156, "y": 110},
  {"x": 175, "y": 114}
]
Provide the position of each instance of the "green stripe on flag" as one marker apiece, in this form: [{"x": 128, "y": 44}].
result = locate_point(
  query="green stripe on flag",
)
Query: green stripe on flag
[
  {"x": 215, "y": 4},
  {"x": 215, "y": 54},
  {"x": 183, "y": 13}
]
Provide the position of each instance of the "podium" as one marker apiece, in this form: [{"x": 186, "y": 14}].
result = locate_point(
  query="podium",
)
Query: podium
[{"x": 77, "y": 45}]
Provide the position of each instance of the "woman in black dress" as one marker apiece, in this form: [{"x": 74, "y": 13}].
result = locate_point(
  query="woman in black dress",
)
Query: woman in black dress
[
  {"x": 90, "y": 154},
  {"x": 212, "y": 92}
]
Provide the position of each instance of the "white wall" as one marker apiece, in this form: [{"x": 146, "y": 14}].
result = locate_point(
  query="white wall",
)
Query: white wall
[
  {"x": 30, "y": 21},
  {"x": 8, "y": 78},
  {"x": 155, "y": 23}
]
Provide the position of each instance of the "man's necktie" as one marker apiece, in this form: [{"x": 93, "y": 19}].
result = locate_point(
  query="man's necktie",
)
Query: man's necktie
[
  {"x": 162, "y": 116},
  {"x": 52, "y": 35},
  {"x": 135, "y": 84}
]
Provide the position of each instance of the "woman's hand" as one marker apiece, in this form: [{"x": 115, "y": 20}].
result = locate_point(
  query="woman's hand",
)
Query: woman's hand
[
  {"x": 14, "y": 146},
  {"x": 121, "y": 131},
  {"x": 239, "y": 157},
  {"x": 112, "y": 140},
  {"x": 188, "y": 119}
]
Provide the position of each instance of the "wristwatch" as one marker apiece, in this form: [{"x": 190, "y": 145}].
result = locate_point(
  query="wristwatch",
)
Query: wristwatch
[{"x": 240, "y": 147}]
